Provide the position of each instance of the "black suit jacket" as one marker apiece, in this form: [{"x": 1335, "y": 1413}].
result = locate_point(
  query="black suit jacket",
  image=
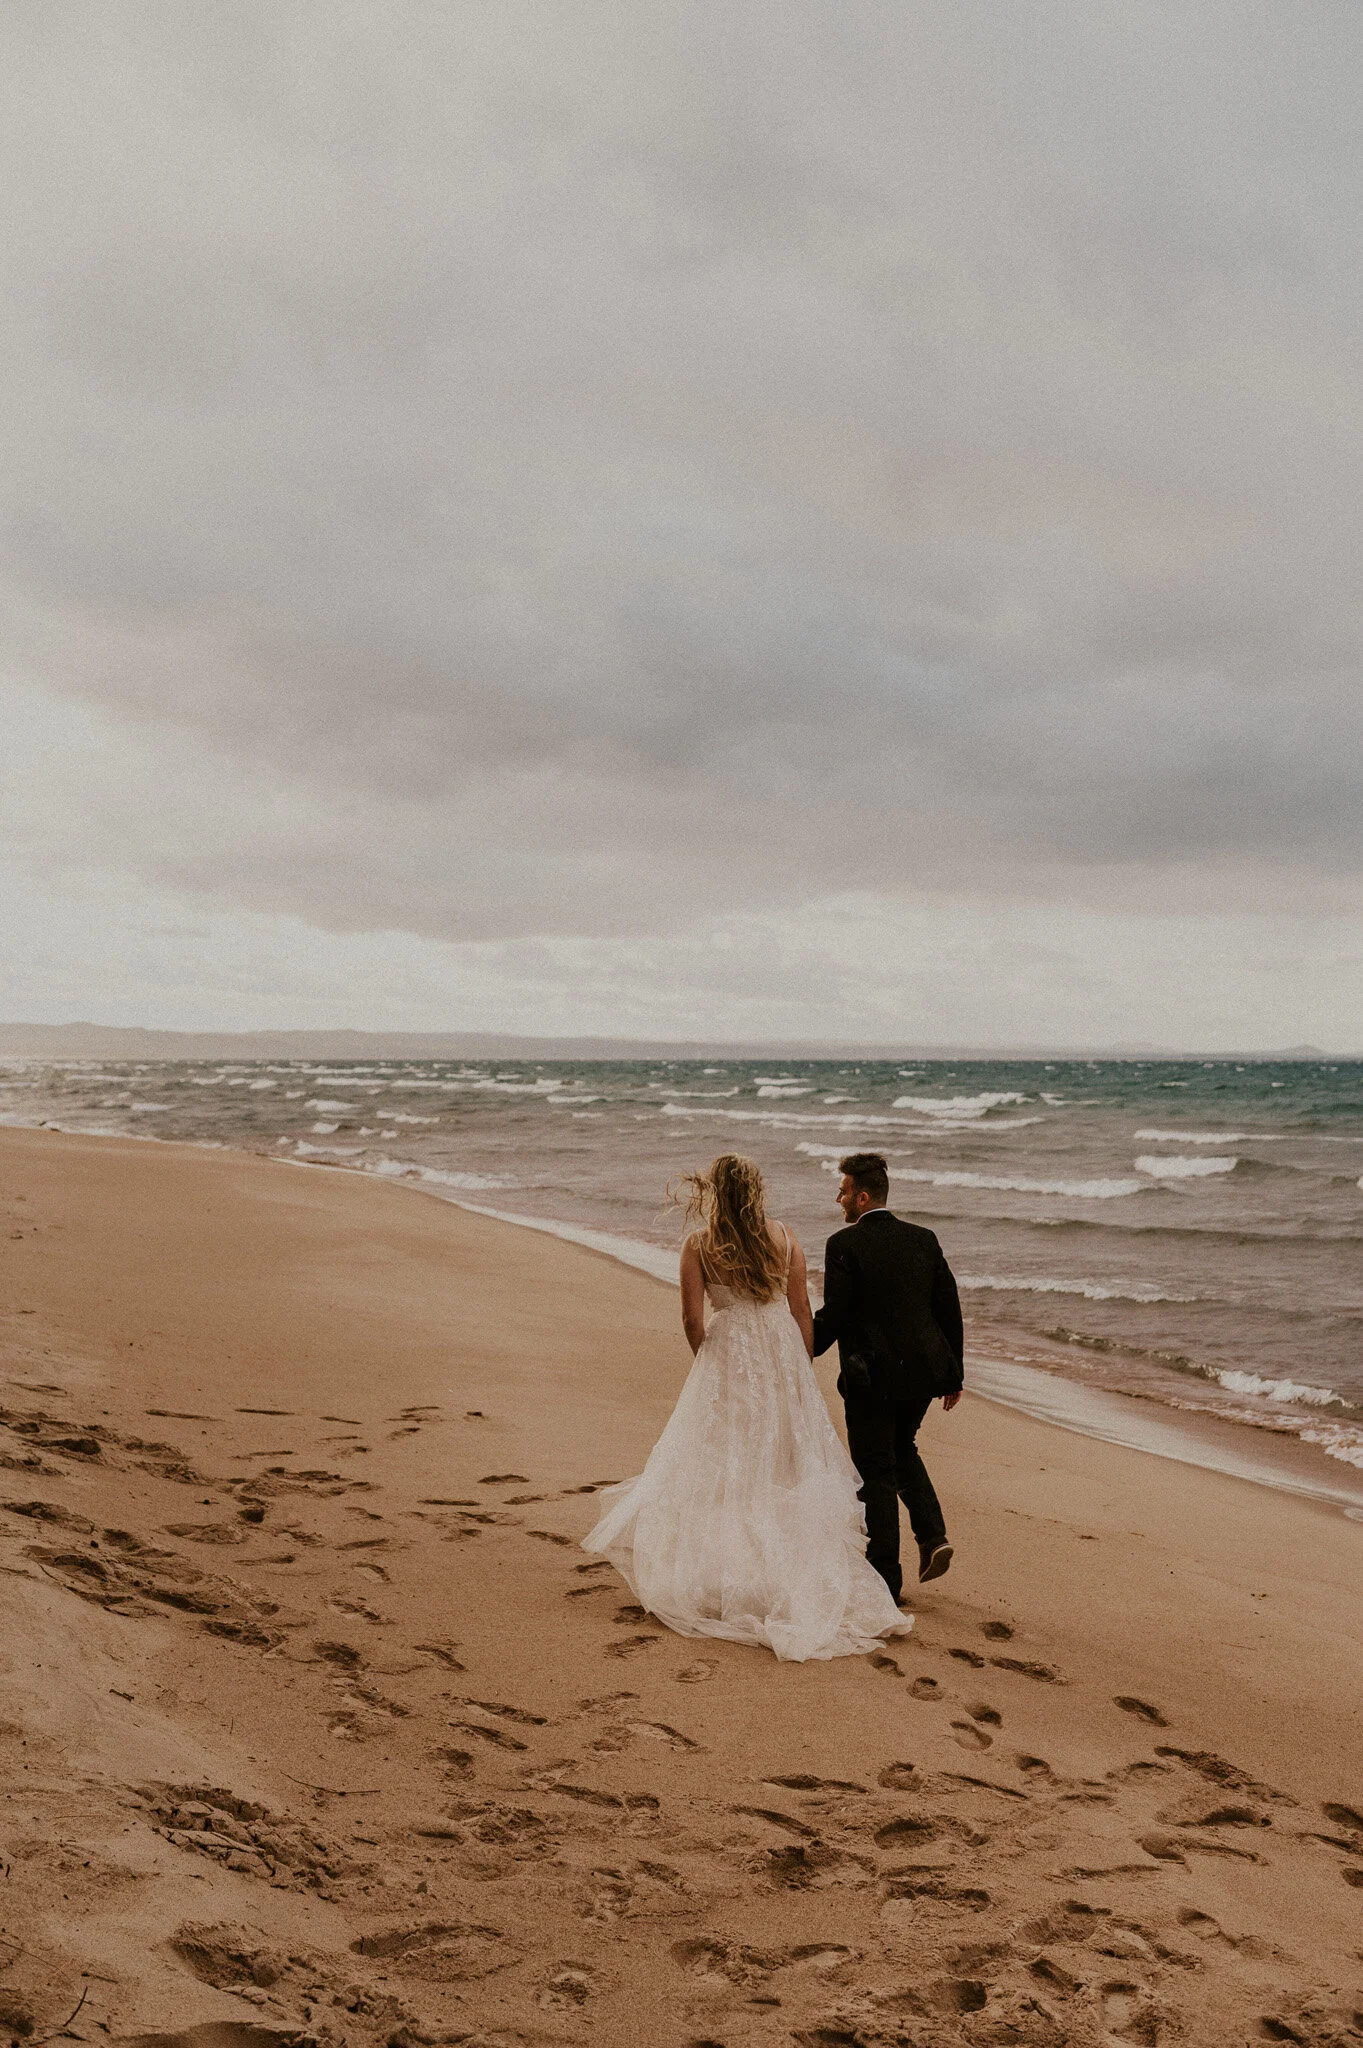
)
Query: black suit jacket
[{"x": 890, "y": 1302}]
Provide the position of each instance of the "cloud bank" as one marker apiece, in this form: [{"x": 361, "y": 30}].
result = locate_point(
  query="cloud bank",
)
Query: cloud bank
[{"x": 514, "y": 473}]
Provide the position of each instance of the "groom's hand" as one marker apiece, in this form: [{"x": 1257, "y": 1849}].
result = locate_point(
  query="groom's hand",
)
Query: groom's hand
[{"x": 949, "y": 1402}]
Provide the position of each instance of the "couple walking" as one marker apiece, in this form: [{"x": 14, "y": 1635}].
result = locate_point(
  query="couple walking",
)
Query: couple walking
[{"x": 747, "y": 1521}]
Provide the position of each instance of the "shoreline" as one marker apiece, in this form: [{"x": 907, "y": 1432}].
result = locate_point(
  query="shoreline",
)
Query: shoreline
[
  {"x": 320, "y": 1726},
  {"x": 1136, "y": 1421},
  {"x": 1256, "y": 1453}
]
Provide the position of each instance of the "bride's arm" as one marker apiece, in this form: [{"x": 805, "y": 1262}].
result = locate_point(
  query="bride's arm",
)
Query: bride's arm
[
  {"x": 797, "y": 1293},
  {"x": 692, "y": 1295}
]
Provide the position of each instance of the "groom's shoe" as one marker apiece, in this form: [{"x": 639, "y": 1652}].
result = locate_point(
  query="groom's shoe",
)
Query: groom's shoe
[{"x": 933, "y": 1560}]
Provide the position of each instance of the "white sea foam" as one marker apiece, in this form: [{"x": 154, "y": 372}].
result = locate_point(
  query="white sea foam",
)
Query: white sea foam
[
  {"x": 1295, "y": 1391},
  {"x": 1174, "y": 1168},
  {"x": 407, "y": 1116},
  {"x": 955, "y": 1105},
  {"x": 781, "y": 1089},
  {"x": 1091, "y": 1290},
  {"x": 630, "y": 1251},
  {"x": 403, "y": 1169},
  {"x": 1084, "y": 1190},
  {"x": 321, "y": 1103},
  {"x": 147, "y": 1108},
  {"x": 324, "y": 1130},
  {"x": 1214, "y": 1137},
  {"x": 798, "y": 1121},
  {"x": 307, "y": 1151},
  {"x": 1344, "y": 1444}
]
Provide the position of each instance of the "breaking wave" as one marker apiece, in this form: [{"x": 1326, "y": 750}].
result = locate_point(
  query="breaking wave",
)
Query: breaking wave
[
  {"x": 1174, "y": 1168},
  {"x": 1083, "y": 1190},
  {"x": 1091, "y": 1290},
  {"x": 955, "y": 1105}
]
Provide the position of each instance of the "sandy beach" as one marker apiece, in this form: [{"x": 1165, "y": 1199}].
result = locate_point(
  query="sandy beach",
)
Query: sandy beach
[{"x": 319, "y": 1725}]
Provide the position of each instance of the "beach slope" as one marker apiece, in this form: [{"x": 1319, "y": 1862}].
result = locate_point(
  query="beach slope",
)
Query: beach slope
[{"x": 318, "y": 1724}]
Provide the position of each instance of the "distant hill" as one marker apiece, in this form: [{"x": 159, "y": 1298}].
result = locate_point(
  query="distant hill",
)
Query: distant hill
[{"x": 131, "y": 1042}]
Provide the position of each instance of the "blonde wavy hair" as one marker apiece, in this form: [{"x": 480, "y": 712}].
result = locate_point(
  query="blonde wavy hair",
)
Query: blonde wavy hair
[{"x": 737, "y": 1247}]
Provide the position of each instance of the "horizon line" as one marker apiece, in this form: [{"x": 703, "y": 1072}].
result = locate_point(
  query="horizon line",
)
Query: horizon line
[{"x": 513, "y": 1044}]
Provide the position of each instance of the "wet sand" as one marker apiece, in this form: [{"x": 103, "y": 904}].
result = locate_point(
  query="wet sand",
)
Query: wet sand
[{"x": 318, "y": 1723}]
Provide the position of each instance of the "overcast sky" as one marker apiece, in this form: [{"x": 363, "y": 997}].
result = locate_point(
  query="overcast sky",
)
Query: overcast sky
[{"x": 819, "y": 519}]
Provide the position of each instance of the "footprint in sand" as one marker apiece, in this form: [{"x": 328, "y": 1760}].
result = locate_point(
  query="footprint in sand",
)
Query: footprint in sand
[
  {"x": 343, "y": 1655},
  {"x": 631, "y": 1646},
  {"x": 1043, "y": 1673},
  {"x": 697, "y": 1674},
  {"x": 879, "y": 1661},
  {"x": 499, "y": 1738},
  {"x": 926, "y": 1689},
  {"x": 1205, "y": 1928},
  {"x": 659, "y": 1731},
  {"x": 505, "y": 1713},
  {"x": 505, "y": 1479},
  {"x": 800, "y": 1781},
  {"x": 566, "y": 1988},
  {"x": 989, "y": 1715},
  {"x": 784, "y": 1821},
  {"x": 971, "y": 1737},
  {"x": 1208, "y": 1765},
  {"x": 971, "y": 1657},
  {"x": 1129, "y": 2014},
  {"x": 900, "y": 1778},
  {"x": 444, "y": 1653},
  {"x": 997, "y": 1631},
  {"x": 1139, "y": 1773},
  {"x": 348, "y": 1603},
  {"x": 910, "y": 1831},
  {"x": 1142, "y": 1710},
  {"x": 445, "y": 1953}
]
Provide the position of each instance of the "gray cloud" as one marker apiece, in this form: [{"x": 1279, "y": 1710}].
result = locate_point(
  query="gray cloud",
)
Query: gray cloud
[{"x": 511, "y": 470}]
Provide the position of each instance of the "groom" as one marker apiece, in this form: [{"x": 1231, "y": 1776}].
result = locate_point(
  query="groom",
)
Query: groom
[{"x": 891, "y": 1303}]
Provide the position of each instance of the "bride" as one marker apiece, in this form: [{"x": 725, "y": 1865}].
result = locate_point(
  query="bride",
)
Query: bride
[{"x": 745, "y": 1521}]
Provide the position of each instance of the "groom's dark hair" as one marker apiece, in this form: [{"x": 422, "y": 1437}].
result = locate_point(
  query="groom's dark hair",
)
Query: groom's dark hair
[{"x": 868, "y": 1171}]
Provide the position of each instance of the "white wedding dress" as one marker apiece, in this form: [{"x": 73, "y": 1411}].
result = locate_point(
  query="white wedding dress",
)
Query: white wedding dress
[{"x": 745, "y": 1521}]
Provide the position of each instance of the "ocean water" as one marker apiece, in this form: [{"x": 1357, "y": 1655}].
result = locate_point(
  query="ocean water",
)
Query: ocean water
[{"x": 1190, "y": 1233}]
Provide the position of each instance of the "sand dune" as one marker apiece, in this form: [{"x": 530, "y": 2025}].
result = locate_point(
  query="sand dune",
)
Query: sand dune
[{"x": 318, "y": 1725}]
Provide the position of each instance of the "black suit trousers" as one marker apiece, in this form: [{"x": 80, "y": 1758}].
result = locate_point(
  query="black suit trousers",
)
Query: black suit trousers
[{"x": 882, "y": 1430}]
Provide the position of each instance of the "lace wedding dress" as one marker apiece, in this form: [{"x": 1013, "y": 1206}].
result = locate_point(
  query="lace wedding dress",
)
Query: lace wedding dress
[{"x": 745, "y": 1521}]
